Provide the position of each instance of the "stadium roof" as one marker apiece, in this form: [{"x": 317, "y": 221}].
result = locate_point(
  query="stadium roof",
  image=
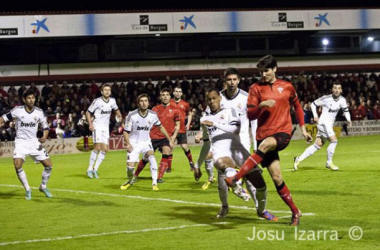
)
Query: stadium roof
[{"x": 87, "y": 6}]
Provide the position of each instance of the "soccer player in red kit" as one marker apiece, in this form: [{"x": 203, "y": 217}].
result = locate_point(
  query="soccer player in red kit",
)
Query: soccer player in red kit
[
  {"x": 170, "y": 118},
  {"x": 184, "y": 108},
  {"x": 269, "y": 102}
]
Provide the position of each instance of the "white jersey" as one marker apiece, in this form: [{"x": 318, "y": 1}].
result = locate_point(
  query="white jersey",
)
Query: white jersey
[
  {"x": 139, "y": 126},
  {"x": 27, "y": 122},
  {"x": 102, "y": 111},
  {"x": 218, "y": 137},
  {"x": 330, "y": 108}
]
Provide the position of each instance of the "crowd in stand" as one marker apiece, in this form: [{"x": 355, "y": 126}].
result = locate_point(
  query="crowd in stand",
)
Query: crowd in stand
[{"x": 65, "y": 104}]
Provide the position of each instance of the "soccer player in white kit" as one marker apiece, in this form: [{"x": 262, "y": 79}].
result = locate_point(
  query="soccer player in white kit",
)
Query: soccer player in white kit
[
  {"x": 223, "y": 127},
  {"x": 331, "y": 104},
  {"x": 137, "y": 139},
  {"x": 235, "y": 98},
  {"x": 101, "y": 109},
  {"x": 28, "y": 117}
]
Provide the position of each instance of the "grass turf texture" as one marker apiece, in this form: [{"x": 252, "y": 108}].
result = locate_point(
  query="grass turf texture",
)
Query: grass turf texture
[{"x": 95, "y": 214}]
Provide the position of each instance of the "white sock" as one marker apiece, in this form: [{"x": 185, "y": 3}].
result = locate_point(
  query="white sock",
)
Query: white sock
[
  {"x": 209, "y": 168},
  {"x": 100, "y": 159},
  {"x": 45, "y": 176},
  {"x": 231, "y": 172},
  {"x": 331, "y": 150},
  {"x": 261, "y": 196},
  {"x": 222, "y": 189},
  {"x": 22, "y": 177},
  {"x": 93, "y": 156},
  {"x": 252, "y": 191},
  {"x": 130, "y": 172},
  {"x": 309, "y": 151},
  {"x": 153, "y": 169}
]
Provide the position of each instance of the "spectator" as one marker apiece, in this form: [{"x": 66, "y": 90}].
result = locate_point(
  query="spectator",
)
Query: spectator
[
  {"x": 65, "y": 89},
  {"x": 11, "y": 131},
  {"x": 46, "y": 90}
]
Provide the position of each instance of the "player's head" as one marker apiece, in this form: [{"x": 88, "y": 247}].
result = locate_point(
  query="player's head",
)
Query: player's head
[
  {"x": 267, "y": 67},
  {"x": 337, "y": 89},
  {"x": 165, "y": 96},
  {"x": 213, "y": 99},
  {"x": 106, "y": 90},
  {"x": 29, "y": 97},
  {"x": 177, "y": 92},
  {"x": 232, "y": 79},
  {"x": 143, "y": 102}
]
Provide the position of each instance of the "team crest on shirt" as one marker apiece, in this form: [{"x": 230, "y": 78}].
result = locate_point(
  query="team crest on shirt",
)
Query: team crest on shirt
[
  {"x": 181, "y": 106},
  {"x": 239, "y": 105},
  {"x": 149, "y": 121},
  {"x": 221, "y": 117},
  {"x": 280, "y": 89},
  {"x": 170, "y": 110}
]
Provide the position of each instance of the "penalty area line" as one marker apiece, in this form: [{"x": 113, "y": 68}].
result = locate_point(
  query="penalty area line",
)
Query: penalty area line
[
  {"x": 154, "y": 199},
  {"x": 108, "y": 233}
]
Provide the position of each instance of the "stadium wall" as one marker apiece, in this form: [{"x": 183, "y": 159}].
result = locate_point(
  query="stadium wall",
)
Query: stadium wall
[{"x": 16, "y": 74}]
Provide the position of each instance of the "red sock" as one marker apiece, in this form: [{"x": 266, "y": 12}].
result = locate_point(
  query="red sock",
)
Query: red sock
[
  {"x": 250, "y": 163},
  {"x": 284, "y": 192},
  {"x": 189, "y": 156},
  {"x": 140, "y": 167},
  {"x": 85, "y": 142},
  {"x": 163, "y": 166},
  {"x": 170, "y": 159}
]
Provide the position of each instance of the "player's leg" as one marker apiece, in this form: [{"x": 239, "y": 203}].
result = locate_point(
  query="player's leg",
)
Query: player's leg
[
  {"x": 102, "y": 154},
  {"x": 18, "y": 162},
  {"x": 253, "y": 132},
  {"x": 46, "y": 173},
  {"x": 149, "y": 155},
  {"x": 226, "y": 164},
  {"x": 182, "y": 140},
  {"x": 132, "y": 159},
  {"x": 223, "y": 195},
  {"x": 93, "y": 156},
  {"x": 274, "y": 170},
  {"x": 209, "y": 165},
  {"x": 257, "y": 188},
  {"x": 267, "y": 145},
  {"x": 164, "y": 163},
  {"x": 308, "y": 152},
  {"x": 205, "y": 149},
  {"x": 330, "y": 153}
]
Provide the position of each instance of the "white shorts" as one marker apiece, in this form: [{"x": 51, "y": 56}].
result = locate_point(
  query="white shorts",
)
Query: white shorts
[
  {"x": 325, "y": 131},
  {"x": 100, "y": 136},
  {"x": 245, "y": 139},
  {"x": 238, "y": 155},
  {"x": 139, "y": 148},
  {"x": 34, "y": 149}
]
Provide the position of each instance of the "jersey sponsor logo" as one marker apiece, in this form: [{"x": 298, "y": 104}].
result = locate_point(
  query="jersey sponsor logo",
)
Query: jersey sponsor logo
[
  {"x": 333, "y": 110},
  {"x": 105, "y": 112},
  {"x": 30, "y": 124},
  {"x": 146, "y": 128},
  {"x": 212, "y": 129}
]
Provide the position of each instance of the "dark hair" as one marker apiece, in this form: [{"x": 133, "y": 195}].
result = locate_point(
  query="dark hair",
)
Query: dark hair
[
  {"x": 178, "y": 87},
  {"x": 267, "y": 62},
  {"x": 337, "y": 83},
  {"x": 141, "y": 96},
  {"x": 165, "y": 90},
  {"x": 28, "y": 92},
  {"x": 211, "y": 89},
  {"x": 105, "y": 85},
  {"x": 231, "y": 71}
]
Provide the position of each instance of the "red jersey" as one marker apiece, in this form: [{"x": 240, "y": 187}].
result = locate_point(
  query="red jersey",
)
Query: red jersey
[
  {"x": 277, "y": 118},
  {"x": 168, "y": 116},
  {"x": 184, "y": 109}
]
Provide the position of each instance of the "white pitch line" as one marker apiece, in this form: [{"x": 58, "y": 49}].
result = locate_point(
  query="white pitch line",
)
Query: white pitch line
[
  {"x": 155, "y": 199},
  {"x": 107, "y": 233}
]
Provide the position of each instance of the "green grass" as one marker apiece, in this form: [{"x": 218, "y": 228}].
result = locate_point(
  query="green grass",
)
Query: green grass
[{"x": 104, "y": 217}]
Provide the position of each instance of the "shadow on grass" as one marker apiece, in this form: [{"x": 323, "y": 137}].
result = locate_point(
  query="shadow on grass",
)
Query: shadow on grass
[
  {"x": 207, "y": 215},
  {"x": 10, "y": 195}
]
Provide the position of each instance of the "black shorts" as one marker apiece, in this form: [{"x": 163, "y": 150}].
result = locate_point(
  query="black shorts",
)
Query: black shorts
[
  {"x": 159, "y": 143},
  {"x": 283, "y": 141},
  {"x": 182, "y": 138}
]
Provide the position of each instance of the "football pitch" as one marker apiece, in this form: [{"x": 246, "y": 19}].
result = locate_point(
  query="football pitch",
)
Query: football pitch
[{"x": 340, "y": 209}]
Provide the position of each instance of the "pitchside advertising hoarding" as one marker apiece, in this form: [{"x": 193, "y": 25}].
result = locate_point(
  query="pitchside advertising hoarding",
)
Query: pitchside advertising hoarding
[
  {"x": 78, "y": 145},
  {"x": 35, "y": 26}
]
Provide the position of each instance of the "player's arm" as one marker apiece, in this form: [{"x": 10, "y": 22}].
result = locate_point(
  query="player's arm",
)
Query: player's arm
[
  {"x": 126, "y": 141},
  {"x": 176, "y": 129},
  {"x": 189, "y": 119},
  {"x": 301, "y": 120},
  {"x": 165, "y": 133},
  {"x": 313, "y": 107},
  {"x": 118, "y": 116},
  {"x": 45, "y": 127},
  {"x": 346, "y": 113},
  {"x": 89, "y": 121}
]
